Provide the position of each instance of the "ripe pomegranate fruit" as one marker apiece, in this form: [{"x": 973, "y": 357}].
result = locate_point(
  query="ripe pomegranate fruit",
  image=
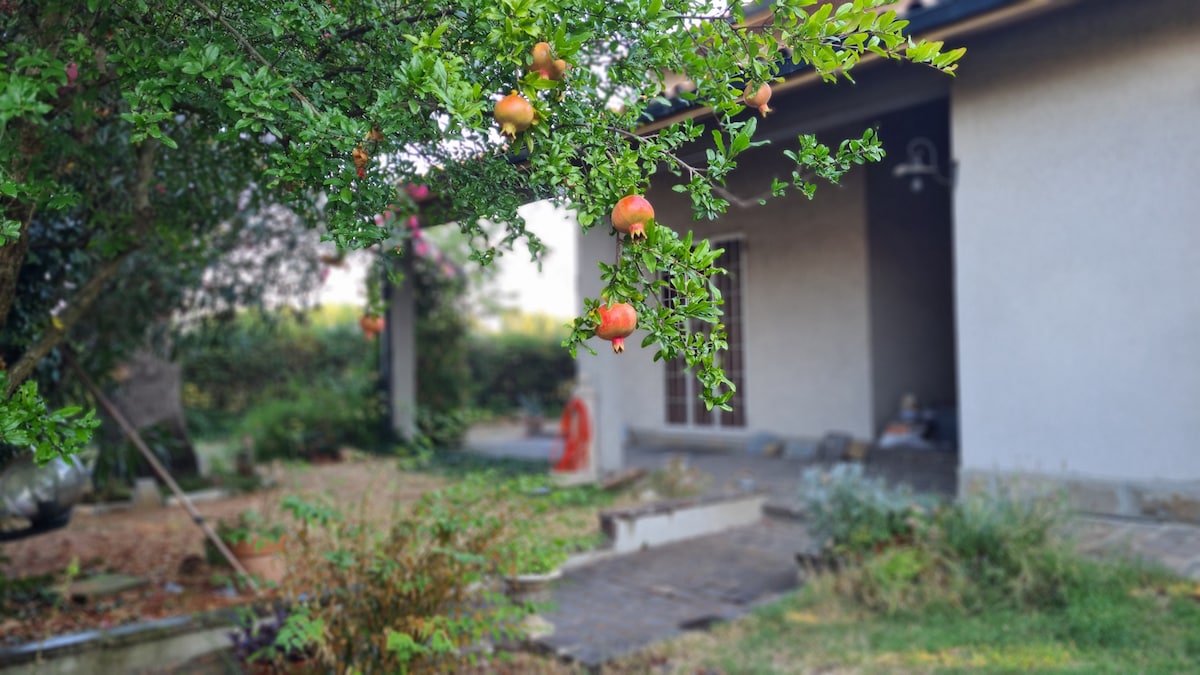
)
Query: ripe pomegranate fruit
[
  {"x": 360, "y": 157},
  {"x": 545, "y": 64},
  {"x": 631, "y": 215},
  {"x": 541, "y": 55},
  {"x": 514, "y": 114},
  {"x": 617, "y": 321},
  {"x": 371, "y": 325},
  {"x": 757, "y": 98}
]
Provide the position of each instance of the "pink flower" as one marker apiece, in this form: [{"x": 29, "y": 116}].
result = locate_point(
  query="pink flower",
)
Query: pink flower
[
  {"x": 72, "y": 73},
  {"x": 422, "y": 248},
  {"x": 418, "y": 192}
]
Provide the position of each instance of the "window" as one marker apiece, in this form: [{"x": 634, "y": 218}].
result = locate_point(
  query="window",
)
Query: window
[{"x": 683, "y": 404}]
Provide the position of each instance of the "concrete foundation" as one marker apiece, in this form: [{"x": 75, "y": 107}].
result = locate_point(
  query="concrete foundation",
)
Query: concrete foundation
[{"x": 1175, "y": 501}]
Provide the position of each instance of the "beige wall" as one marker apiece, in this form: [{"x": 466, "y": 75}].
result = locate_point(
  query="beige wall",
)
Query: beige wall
[{"x": 1078, "y": 244}]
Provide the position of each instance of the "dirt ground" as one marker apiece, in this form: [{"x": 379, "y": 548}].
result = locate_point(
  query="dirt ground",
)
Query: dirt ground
[{"x": 166, "y": 548}]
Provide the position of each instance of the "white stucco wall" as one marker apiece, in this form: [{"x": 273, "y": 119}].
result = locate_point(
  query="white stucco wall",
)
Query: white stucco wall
[{"x": 1078, "y": 244}]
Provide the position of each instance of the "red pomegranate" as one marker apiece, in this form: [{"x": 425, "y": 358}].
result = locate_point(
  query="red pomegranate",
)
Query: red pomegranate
[
  {"x": 631, "y": 215},
  {"x": 371, "y": 324},
  {"x": 757, "y": 98},
  {"x": 514, "y": 113},
  {"x": 617, "y": 321},
  {"x": 360, "y": 157}
]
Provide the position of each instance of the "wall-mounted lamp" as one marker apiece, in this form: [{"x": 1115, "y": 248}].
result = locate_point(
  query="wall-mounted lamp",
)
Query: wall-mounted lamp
[{"x": 921, "y": 164}]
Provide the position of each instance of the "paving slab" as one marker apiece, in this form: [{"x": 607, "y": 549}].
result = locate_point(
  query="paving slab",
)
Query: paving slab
[
  {"x": 1176, "y": 546},
  {"x": 621, "y": 604},
  {"x": 103, "y": 585}
]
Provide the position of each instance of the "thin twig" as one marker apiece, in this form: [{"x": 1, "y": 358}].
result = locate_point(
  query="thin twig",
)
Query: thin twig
[{"x": 252, "y": 51}]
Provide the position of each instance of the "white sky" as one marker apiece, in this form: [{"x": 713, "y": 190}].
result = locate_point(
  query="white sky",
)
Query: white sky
[{"x": 518, "y": 283}]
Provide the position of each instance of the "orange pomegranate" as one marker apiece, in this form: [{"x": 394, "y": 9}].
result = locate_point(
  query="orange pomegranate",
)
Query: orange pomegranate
[
  {"x": 514, "y": 113},
  {"x": 617, "y": 321},
  {"x": 372, "y": 325},
  {"x": 632, "y": 215},
  {"x": 545, "y": 64},
  {"x": 758, "y": 97}
]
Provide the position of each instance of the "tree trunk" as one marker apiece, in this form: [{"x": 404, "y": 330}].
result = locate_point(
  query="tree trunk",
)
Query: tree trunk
[
  {"x": 12, "y": 254},
  {"x": 12, "y": 257}
]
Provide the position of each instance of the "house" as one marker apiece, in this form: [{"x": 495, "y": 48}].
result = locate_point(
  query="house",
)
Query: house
[{"x": 1027, "y": 255}]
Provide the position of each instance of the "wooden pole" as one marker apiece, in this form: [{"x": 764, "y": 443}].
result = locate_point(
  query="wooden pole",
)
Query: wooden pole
[{"x": 159, "y": 469}]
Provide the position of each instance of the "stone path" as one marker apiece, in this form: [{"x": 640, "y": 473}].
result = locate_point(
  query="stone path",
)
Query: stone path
[
  {"x": 1174, "y": 545},
  {"x": 622, "y": 604}
]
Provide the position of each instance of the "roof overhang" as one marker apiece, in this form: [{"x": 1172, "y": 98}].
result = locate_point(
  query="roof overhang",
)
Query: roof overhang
[{"x": 946, "y": 21}]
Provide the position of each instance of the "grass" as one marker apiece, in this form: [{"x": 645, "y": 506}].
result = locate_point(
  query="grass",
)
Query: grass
[{"x": 1133, "y": 620}]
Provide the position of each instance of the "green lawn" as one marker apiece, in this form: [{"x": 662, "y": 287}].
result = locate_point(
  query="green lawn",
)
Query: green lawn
[{"x": 1134, "y": 621}]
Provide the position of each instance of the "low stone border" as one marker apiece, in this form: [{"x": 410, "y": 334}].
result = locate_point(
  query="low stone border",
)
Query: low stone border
[
  {"x": 635, "y": 528},
  {"x": 132, "y": 647},
  {"x": 197, "y": 497}
]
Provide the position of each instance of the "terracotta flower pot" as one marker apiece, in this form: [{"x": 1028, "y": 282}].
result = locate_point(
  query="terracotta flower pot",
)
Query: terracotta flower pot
[{"x": 261, "y": 557}]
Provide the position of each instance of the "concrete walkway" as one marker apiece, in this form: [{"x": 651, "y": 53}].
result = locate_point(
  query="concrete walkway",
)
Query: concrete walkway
[
  {"x": 625, "y": 603},
  {"x": 1173, "y": 545}
]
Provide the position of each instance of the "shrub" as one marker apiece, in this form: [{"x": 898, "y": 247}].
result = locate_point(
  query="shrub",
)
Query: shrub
[
  {"x": 315, "y": 419},
  {"x": 852, "y": 514},
  {"x": 231, "y": 366},
  {"x": 900, "y": 553},
  {"x": 509, "y": 369},
  {"x": 443, "y": 430},
  {"x": 417, "y": 597}
]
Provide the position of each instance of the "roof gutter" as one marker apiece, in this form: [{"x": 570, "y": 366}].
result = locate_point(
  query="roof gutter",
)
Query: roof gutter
[{"x": 941, "y": 22}]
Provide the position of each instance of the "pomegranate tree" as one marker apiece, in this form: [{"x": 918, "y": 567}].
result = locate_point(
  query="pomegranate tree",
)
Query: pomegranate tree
[
  {"x": 632, "y": 215},
  {"x": 617, "y": 321}
]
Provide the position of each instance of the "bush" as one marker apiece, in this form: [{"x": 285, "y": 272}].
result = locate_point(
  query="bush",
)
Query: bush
[
  {"x": 315, "y": 420},
  {"x": 256, "y": 364},
  {"x": 418, "y": 597},
  {"x": 898, "y": 553},
  {"x": 509, "y": 369},
  {"x": 852, "y": 514},
  {"x": 443, "y": 430}
]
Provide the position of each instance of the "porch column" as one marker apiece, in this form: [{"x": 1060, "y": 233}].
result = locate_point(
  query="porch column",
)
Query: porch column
[
  {"x": 597, "y": 372},
  {"x": 400, "y": 353}
]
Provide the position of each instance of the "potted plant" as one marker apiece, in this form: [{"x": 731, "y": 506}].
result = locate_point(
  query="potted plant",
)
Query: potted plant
[
  {"x": 534, "y": 563},
  {"x": 256, "y": 543}
]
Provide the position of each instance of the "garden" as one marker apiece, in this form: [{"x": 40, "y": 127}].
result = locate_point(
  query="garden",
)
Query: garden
[{"x": 176, "y": 179}]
